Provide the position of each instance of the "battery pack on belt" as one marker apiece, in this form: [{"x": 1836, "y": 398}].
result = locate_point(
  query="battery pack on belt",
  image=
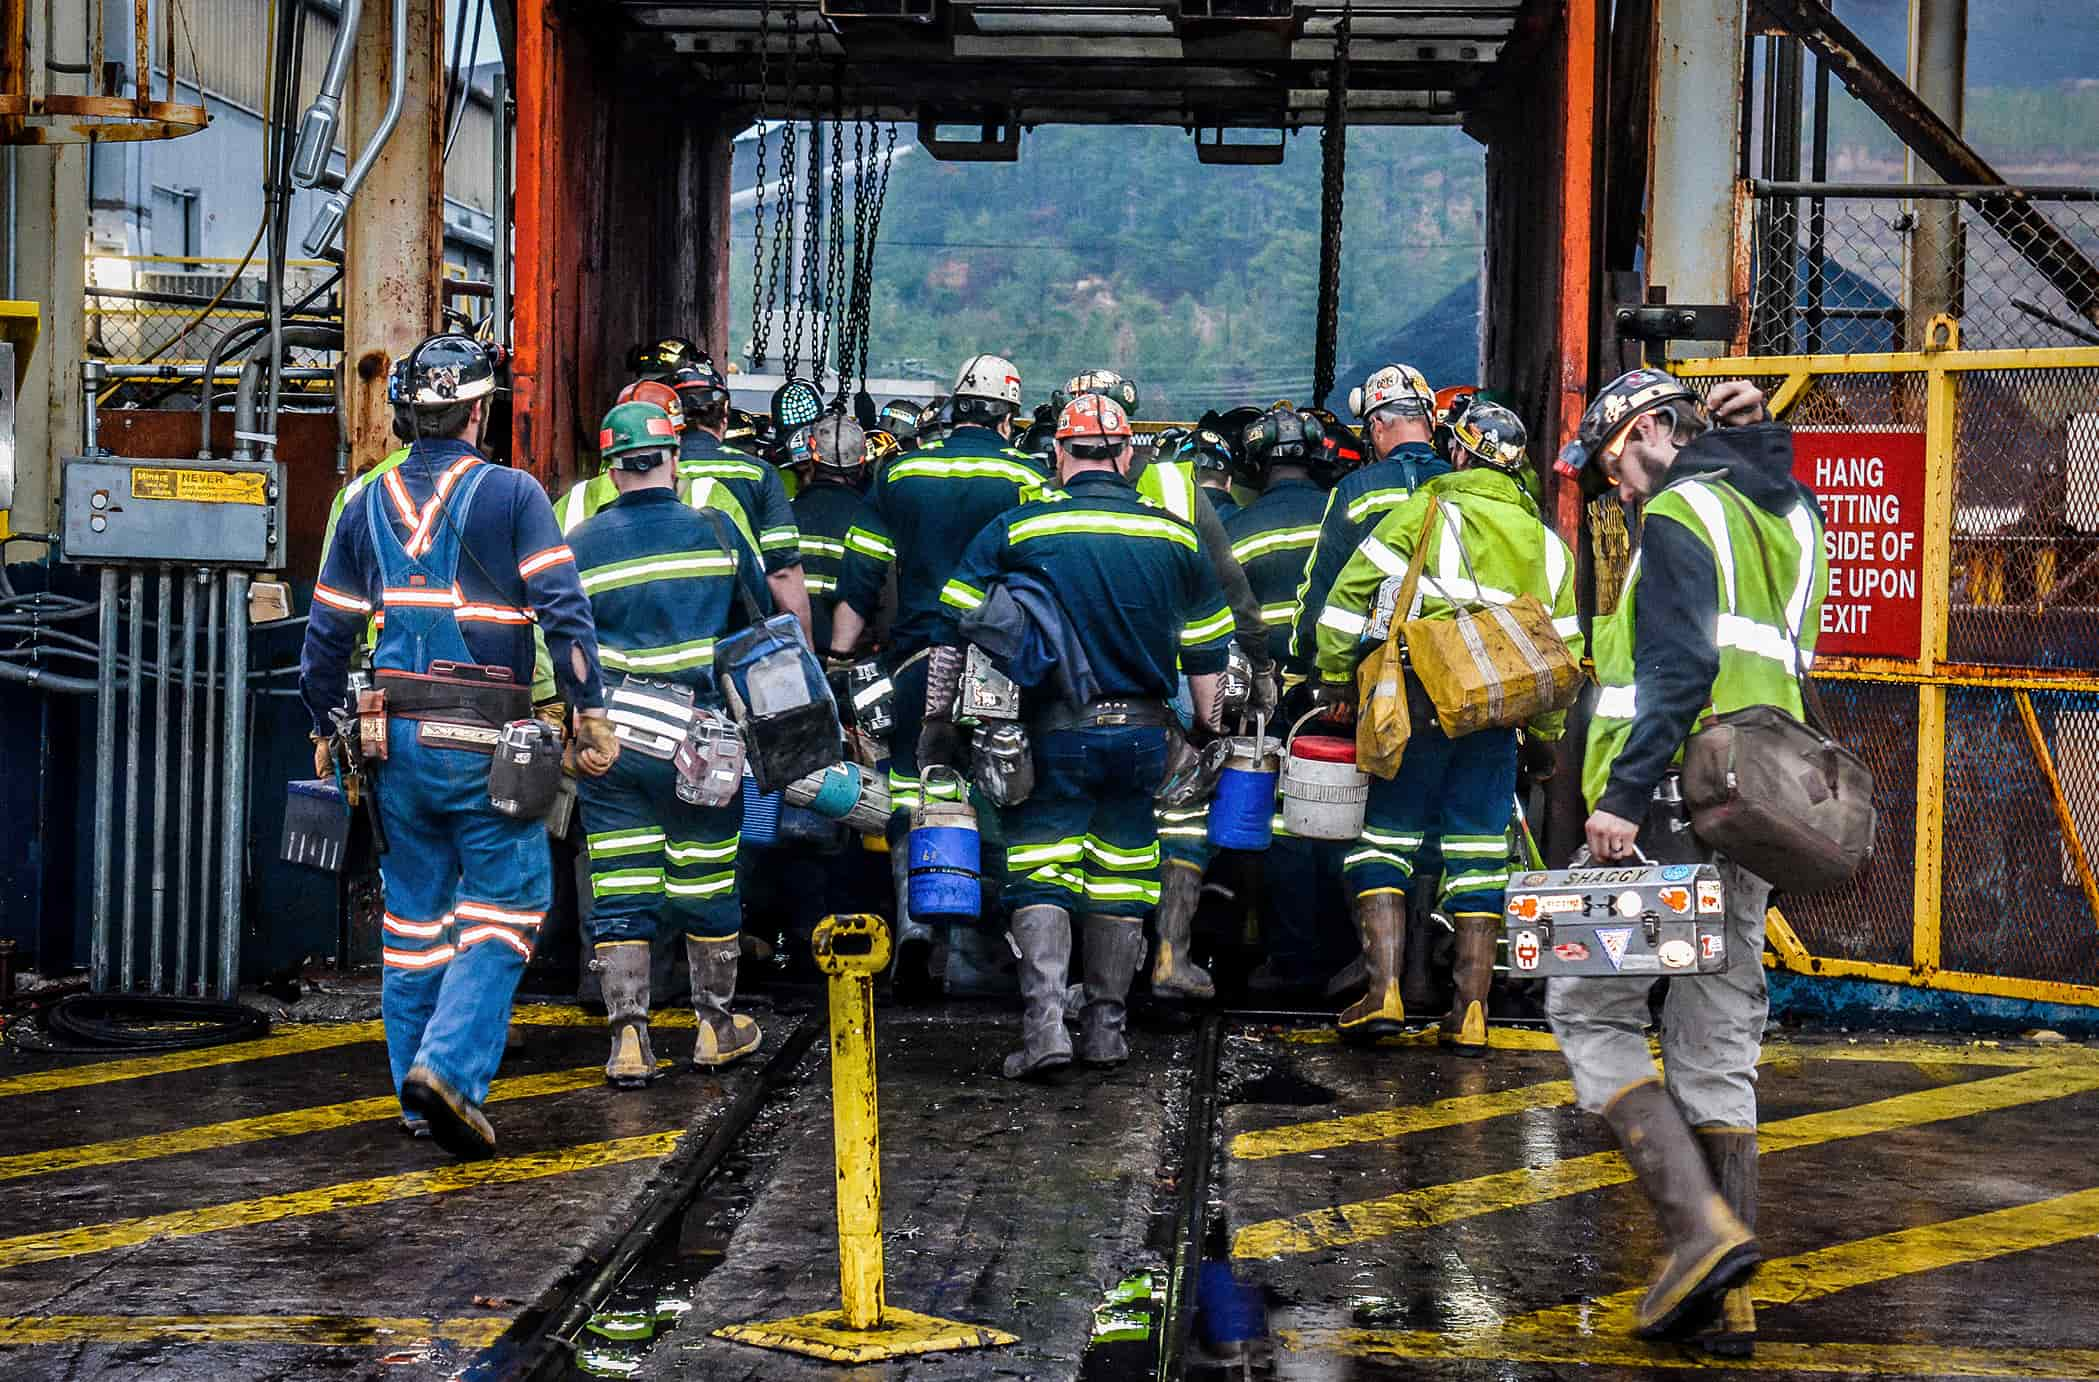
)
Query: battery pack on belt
[{"x": 649, "y": 716}]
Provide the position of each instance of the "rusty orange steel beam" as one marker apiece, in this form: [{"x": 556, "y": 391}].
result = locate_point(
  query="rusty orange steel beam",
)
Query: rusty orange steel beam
[
  {"x": 2063, "y": 818},
  {"x": 1577, "y": 240}
]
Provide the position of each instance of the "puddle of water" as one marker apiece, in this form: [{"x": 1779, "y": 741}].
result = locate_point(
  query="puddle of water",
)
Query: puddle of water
[{"x": 1124, "y": 1344}]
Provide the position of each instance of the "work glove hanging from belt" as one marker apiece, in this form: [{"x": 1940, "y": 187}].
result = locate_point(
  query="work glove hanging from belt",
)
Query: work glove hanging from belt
[
  {"x": 323, "y": 756},
  {"x": 940, "y": 739},
  {"x": 596, "y": 748}
]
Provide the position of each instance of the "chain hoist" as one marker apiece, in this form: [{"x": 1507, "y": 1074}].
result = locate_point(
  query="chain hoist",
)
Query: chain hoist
[
  {"x": 1333, "y": 159},
  {"x": 785, "y": 220},
  {"x": 761, "y": 308}
]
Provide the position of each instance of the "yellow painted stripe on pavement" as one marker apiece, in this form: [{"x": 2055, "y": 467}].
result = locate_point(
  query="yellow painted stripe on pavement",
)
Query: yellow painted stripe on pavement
[
  {"x": 1844, "y": 1359},
  {"x": 286, "y": 1041},
  {"x": 1398, "y": 1122},
  {"x": 290, "y": 1123},
  {"x": 30, "y": 1248},
  {"x": 1901, "y": 1052},
  {"x": 1500, "y": 1038},
  {"x": 325, "y": 1331},
  {"x": 1321, "y": 1229}
]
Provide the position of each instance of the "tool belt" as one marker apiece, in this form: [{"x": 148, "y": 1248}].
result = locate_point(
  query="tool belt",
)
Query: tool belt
[
  {"x": 1106, "y": 714},
  {"x": 650, "y": 716},
  {"x": 459, "y": 700}
]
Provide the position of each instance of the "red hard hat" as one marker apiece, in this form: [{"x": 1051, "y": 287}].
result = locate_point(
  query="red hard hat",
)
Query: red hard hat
[
  {"x": 656, "y": 392},
  {"x": 1092, "y": 416}
]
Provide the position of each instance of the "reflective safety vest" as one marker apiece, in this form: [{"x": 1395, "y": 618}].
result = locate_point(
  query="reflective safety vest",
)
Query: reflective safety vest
[
  {"x": 357, "y": 486},
  {"x": 1171, "y": 485},
  {"x": 1756, "y": 610},
  {"x": 1487, "y": 546},
  {"x": 698, "y": 492}
]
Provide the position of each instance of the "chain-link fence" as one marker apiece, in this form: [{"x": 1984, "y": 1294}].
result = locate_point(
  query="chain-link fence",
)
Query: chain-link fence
[
  {"x": 1984, "y": 743},
  {"x": 167, "y": 311},
  {"x": 1848, "y": 269}
]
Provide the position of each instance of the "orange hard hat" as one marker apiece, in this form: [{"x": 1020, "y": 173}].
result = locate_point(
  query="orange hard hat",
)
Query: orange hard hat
[
  {"x": 1450, "y": 394},
  {"x": 656, "y": 392},
  {"x": 1092, "y": 416}
]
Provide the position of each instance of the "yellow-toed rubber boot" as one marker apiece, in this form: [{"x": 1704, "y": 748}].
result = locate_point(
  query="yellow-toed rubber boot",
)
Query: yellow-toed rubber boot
[
  {"x": 1381, "y": 925},
  {"x": 1730, "y": 1154},
  {"x": 1708, "y": 1249},
  {"x": 1465, "y": 1030},
  {"x": 623, "y": 979},
  {"x": 723, "y": 1036},
  {"x": 1174, "y": 976}
]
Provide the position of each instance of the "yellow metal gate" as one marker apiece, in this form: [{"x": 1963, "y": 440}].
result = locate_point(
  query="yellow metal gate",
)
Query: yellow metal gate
[{"x": 1985, "y": 744}]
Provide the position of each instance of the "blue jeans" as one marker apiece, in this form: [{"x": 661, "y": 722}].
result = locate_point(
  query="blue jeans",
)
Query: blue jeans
[
  {"x": 466, "y": 891},
  {"x": 655, "y": 859},
  {"x": 1085, "y": 840},
  {"x": 1459, "y": 792}
]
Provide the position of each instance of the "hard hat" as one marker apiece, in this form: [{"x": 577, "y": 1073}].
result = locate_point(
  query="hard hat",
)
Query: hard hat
[
  {"x": 635, "y": 436},
  {"x": 1611, "y": 414},
  {"x": 1166, "y": 442},
  {"x": 1342, "y": 451},
  {"x": 443, "y": 370},
  {"x": 881, "y": 447},
  {"x": 796, "y": 403},
  {"x": 899, "y": 418},
  {"x": 1282, "y": 435},
  {"x": 657, "y": 358},
  {"x": 1105, "y": 382},
  {"x": 1040, "y": 440},
  {"x": 1491, "y": 435},
  {"x": 699, "y": 382},
  {"x": 1398, "y": 387},
  {"x": 1447, "y": 397},
  {"x": 838, "y": 442},
  {"x": 1207, "y": 450},
  {"x": 989, "y": 376},
  {"x": 1092, "y": 417},
  {"x": 657, "y": 392}
]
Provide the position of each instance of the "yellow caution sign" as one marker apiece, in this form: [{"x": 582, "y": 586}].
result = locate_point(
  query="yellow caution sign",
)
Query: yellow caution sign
[
  {"x": 200, "y": 486},
  {"x": 852, "y": 950}
]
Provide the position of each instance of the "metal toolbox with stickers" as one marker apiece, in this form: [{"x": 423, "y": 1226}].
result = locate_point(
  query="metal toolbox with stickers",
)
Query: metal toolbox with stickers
[{"x": 1643, "y": 918}]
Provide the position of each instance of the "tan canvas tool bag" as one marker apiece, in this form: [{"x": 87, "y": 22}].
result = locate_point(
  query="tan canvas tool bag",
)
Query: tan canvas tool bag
[
  {"x": 1780, "y": 797},
  {"x": 1490, "y": 666}
]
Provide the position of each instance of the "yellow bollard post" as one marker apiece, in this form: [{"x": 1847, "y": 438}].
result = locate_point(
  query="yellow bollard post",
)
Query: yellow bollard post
[{"x": 851, "y": 950}]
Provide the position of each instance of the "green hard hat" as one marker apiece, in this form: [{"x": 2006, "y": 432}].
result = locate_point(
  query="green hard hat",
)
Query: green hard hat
[{"x": 632, "y": 433}]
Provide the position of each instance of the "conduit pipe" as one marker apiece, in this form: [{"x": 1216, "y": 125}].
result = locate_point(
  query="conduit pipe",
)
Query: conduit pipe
[
  {"x": 328, "y": 221},
  {"x": 317, "y": 127}
]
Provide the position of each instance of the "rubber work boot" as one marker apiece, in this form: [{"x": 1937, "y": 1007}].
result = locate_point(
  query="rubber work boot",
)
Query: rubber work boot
[
  {"x": 724, "y": 1036},
  {"x": 1381, "y": 924},
  {"x": 1114, "y": 949},
  {"x": 1417, "y": 987},
  {"x": 1730, "y": 1154},
  {"x": 1708, "y": 1248},
  {"x": 1043, "y": 936},
  {"x": 623, "y": 979},
  {"x": 1465, "y": 1029},
  {"x": 914, "y": 975},
  {"x": 1174, "y": 975},
  {"x": 455, "y": 1124}
]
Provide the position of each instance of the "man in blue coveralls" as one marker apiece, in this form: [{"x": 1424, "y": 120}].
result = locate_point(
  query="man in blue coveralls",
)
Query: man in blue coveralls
[
  {"x": 456, "y": 560},
  {"x": 665, "y": 581}
]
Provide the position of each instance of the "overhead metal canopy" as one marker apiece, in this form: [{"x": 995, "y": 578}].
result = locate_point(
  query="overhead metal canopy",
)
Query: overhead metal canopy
[{"x": 1198, "y": 64}]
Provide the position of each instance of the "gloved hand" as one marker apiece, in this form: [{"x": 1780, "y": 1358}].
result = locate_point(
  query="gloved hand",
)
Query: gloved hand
[
  {"x": 1539, "y": 762},
  {"x": 940, "y": 744},
  {"x": 1338, "y": 698},
  {"x": 596, "y": 749},
  {"x": 1737, "y": 403},
  {"x": 1267, "y": 690},
  {"x": 323, "y": 756}
]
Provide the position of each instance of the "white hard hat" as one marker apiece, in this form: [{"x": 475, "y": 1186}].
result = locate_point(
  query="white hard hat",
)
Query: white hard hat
[
  {"x": 1395, "y": 386},
  {"x": 989, "y": 376}
]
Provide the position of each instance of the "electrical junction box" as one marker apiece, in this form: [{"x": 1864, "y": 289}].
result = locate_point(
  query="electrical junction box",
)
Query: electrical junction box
[{"x": 203, "y": 513}]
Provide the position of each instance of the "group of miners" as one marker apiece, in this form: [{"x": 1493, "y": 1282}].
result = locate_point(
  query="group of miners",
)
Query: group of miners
[{"x": 1206, "y": 580}]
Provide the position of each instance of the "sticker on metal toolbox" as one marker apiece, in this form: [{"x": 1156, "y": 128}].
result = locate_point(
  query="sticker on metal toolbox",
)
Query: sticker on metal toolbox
[
  {"x": 1613, "y": 941},
  {"x": 1525, "y": 950},
  {"x": 1628, "y": 903},
  {"x": 1709, "y": 896},
  {"x": 1533, "y": 880},
  {"x": 1571, "y": 951},
  {"x": 1564, "y": 902},
  {"x": 1712, "y": 945},
  {"x": 1677, "y": 954},
  {"x": 1677, "y": 873},
  {"x": 1677, "y": 900},
  {"x": 1525, "y": 906},
  {"x": 1641, "y": 964}
]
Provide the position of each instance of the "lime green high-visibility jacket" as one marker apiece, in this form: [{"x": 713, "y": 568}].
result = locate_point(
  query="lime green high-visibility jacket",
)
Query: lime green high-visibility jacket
[{"x": 1489, "y": 545}]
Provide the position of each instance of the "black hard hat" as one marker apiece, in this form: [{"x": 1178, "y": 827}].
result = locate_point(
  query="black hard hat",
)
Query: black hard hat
[
  {"x": 1621, "y": 403},
  {"x": 1342, "y": 451},
  {"x": 443, "y": 370},
  {"x": 1209, "y": 450},
  {"x": 698, "y": 381},
  {"x": 1490, "y": 435},
  {"x": 657, "y": 358},
  {"x": 796, "y": 403},
  {"x": 899, "y": 418},
  {"x": 1281, "y": 435}
]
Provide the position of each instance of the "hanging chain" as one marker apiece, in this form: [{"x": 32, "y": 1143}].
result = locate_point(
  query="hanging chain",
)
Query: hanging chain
[
  {"x": 1333, "y": 159},
  {"x": 880, "y": 182},
  {"x": 813, "y": 235},
  {"x": 784, "y": 221},
  {"x": 761, "y": 323},
  {"x": 853, "y": 360},
  {"x": 834, "y": 293}
]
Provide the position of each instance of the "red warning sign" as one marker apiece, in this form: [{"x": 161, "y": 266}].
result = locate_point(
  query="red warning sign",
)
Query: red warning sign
[{"x": 1871, "y": 484}]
